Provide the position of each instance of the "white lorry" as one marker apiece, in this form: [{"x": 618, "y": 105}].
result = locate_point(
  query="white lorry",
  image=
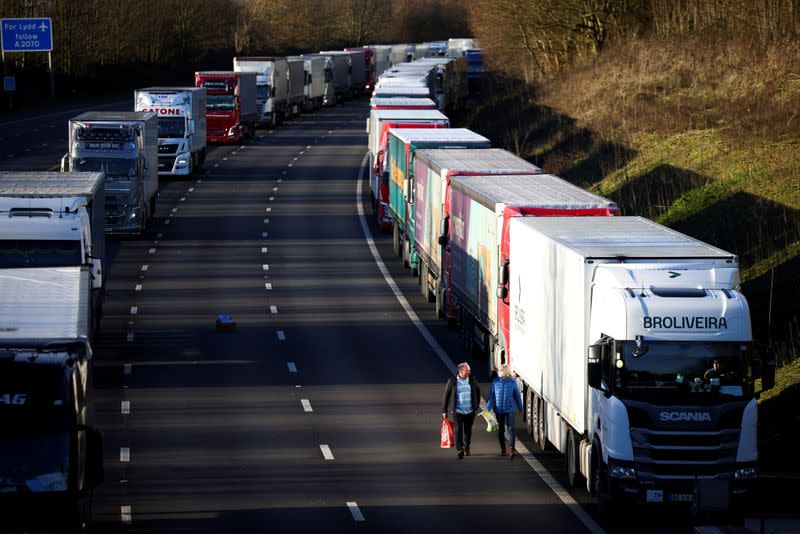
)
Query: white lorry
[
  {"x": 272, "y": 86},
  {"x": 297, "y": 85},
  {"x": 55, "y": 219},
  {"x": 315, "y": 81},
  {"x": 634, "y": 348},
  {"x": 124, "y": 146},
  {"x": 181, "y": 126}
]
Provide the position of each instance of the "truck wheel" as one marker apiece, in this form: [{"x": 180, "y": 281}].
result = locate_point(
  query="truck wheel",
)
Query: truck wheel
[
  {"x": 422, "y": 278},
  {"x": 600, "y": 483},
  {"x": 396, "y": 240},
  {"x": 406, "y": 253},
  {"x": 438, "y": 298},
  {"x": 529, "y": 410},
  {"x": 571, "y": 459},
  {"x": 537, "y": 421}
]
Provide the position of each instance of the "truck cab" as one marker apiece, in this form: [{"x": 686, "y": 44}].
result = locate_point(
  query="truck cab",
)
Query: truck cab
[{"x": 231, "y": 105}]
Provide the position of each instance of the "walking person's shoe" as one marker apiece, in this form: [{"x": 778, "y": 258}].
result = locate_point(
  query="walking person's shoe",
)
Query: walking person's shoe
[
  {"x": 460, "y": 455},
  {"x": 466, "y": 451},
  {"x": 512, "y": 451}
]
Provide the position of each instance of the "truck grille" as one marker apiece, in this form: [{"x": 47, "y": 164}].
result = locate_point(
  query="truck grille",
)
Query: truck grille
[
  {"x": 165, "y": 164},
  {"x": 115, "y": 208},
  {"x": 169, "y": 148},
  {"x": 216, "y": 132},
  {"x": 260, "y": 108}
]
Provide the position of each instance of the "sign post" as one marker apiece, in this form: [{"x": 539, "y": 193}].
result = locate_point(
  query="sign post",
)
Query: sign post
[{"x": 30, "y": 35}]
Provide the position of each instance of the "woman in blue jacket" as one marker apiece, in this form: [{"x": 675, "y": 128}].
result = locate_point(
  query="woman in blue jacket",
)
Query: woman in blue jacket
[{"x": 504, "y": 398}]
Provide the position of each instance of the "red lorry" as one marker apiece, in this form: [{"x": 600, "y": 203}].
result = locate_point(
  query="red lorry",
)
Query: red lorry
[{"x": 231, "y": 107}]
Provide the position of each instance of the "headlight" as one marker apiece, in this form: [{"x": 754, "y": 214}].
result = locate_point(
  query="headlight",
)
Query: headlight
[
  {"x": 746, "y": 473},
  {"x": 619, "y": 471},
  {"x": 181, "y": 161}
]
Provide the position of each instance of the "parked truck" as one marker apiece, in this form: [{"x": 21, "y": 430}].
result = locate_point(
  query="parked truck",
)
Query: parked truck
[
  {"x": 124, "y": 146},
  {"x": 52, "y": 455},
  {"x": 272, "y": 86},
  {"x": 633, "y": 345},
  {"x": 55, "y": 219},
  {"x": 433, "y": 171},
  {"x": 341, "y": 74},
  {"x": 382, "y": 63},
  {"x": 231, "y": 106},
  {"x": 297, "y": 85},
  {"x": 403, "y": 144},
  {"x": 359, "y": 69},
  {"x": 315, "y": 81},
  {"x": 181, "y": 126}
]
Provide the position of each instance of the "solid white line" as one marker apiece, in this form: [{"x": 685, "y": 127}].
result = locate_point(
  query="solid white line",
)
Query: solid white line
[
  {"x": 306, "y": 405},
  {"x": 268, "y": 286},
  {"x": 124, "y": 454},
  {"x": 145, "y": 267},
  {"x": 138, "y": 287},
  {"x": 273, "y": 309},
  {"x": 125, "y": 407},
  {"x": 125, "y": 515},
  {"x": 540, "y": 470},
  {"x": 127, "y": 369},
  {"x": 281, "y": 335},
  {"x": 326, "y": 452},
  {"x": 292, "y": 367},
  {"x": 134, "y": 310},
  {"x": 356, "y": 511}
]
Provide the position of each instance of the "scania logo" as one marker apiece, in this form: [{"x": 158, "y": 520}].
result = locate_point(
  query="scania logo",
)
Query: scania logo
[{"x": 696, "y": 417}]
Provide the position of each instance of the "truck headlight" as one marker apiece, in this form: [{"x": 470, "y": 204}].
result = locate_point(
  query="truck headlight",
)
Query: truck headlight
[
  {"x": 746, "y": 473},
  {"x": 621, "y": 470},
  {"x": 182, "y": 161}
]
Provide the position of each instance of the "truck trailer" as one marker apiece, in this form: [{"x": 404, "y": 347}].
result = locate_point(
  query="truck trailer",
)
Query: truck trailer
[
  {"x": 55, "y": 219},
  {"x": 633, "y": 345},
  {"x": 340, "y": 62},
  {"x": 401, "y": 103},
  {"x": 231, "y": 106},
  {"x": 181, "y": 126},
  {"x": 403, "y": 91},
  {"x": 433, "y": 170},
  {"x": 124, "y": 146},
  {"x": 359, "y": 68},
  {"x": 272, "y": 86},
  {"x": 52, "y": 455},
  {"x": 315, "y": 81},
  {"x": 297, "y": 85}
]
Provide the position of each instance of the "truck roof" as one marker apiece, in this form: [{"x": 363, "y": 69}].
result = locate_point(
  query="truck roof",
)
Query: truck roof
[
  {"x": 111, "y": 116},
  {"x": 44, "y": 304},
  {"x": 402, "y": 90},
  {"x": 620, "y": 237},
  {"x": 257, "y": 58},
  {"x": 391, "y": 114},
  {"x": 443, "y": 135},
  {"x": 484, "y": 161},
  {"x": 50, "y": 184},
  {"x": 526, "y": 190},
  {"x": 400, "y": 101}
]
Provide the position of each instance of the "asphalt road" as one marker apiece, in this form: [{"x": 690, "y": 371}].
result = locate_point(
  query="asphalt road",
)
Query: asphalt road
[{"x": 321, "y": 410}]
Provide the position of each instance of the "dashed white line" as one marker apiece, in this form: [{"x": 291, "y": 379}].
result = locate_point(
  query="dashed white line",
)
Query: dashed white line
[
  {"x": 225, "y": 159},
  {"x": 138, "y": 287},
  {"x": 130, "y": 336},
  {"x": 174, "y": 210},
  {"x": 268, "y": 286},
  {"x": 274, "y": 188},
  {"x": 269, "y": 210},
  {"x": 265, "y": 267},
  {"x": 125, "y": 515},
  {"x": 306, "y": 405},
  {"x": 292, "y": 367},
  {"x": 127, "y": 369},
  {"x": 280, "y": 180},
  {"x": 125, "y": 407},
  {"x": 326, "y": 452},
  {"x": 182, "y": 199},
  {"x": 134, "y": 310},
  {"x": 294, "y": 158},
  {"x": 271, "y": 199},
  {"x": 281, "y": 335},
  {"x": 191, "y": 189},
  {"x": 289, "y": 165},
  {"x": 266, "y": 221},
  {"x": 356, "y": 511},
  {"x": 263, "y": 250},
  {"x": 216, "y": 165},
  {"x": 168, "y": 221},
  {"x": 308, "y": 147},
  {"x": 273, "y": 309},
  {"x": 264, "y": 234},
  {"x": 151, "y": 251},
  {"x": 124, "y": 454}
]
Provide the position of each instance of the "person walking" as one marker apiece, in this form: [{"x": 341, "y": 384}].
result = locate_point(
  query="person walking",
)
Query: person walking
[
  {"x": 462, "y": 398},
  {"x": 504, "y": 398}
]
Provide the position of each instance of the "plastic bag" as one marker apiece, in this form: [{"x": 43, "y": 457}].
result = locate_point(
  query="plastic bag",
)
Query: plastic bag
[
  {"x": 447, "y": 434},
  {"x": 491, "y": 420}
]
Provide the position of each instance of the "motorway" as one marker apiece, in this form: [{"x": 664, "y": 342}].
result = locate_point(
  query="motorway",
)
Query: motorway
[{"x": 321, "y": 410}]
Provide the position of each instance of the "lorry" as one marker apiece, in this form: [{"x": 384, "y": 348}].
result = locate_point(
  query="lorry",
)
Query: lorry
[
  {"x": 403, "y": 144},
  {"x": 633, "y": 346},
  {"x": 381, "y": 53},
  {"x": 359, "y": 68},
  {"x": 181, "y": 126},
  {"x": 315, "y": 81},
  {"x": 341, "y": 74},
  {"x": 124, "y": 146},
  {"x": 433, "y": 171},
  {"x": 297, "y": 85},
  {"x": 399, "y": 53},
  {"x": 52, "y": 455},
  {"x": 55, "y": 219},
  {"x": 481, "y": 209},
  {"x": 231, "y": 106},
  {"x": 378, "y": 125},
  {"x": 401, "y": 103},
  {"x": 272, "y": 86}
]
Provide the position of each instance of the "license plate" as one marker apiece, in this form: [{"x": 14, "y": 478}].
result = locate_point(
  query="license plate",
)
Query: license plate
[
  {"x": 680, "y": 497},
  {"x": 655, "y": 495}
]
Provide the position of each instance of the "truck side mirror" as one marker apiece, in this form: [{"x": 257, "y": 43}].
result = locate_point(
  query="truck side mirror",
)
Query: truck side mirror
[
  {"x": 408, "y": 190},
  {"x": 503, "y": 274},
  {"x": 444, "y": 237},
  {"x": 595, "y": 365},
  {"x": 97, "y": 273},
  {"x": 65, "y": 163},
  {"x": 190, "y": 127},
  {"x": 367, "y": 125},
  {"x": 502, "y": 292}
]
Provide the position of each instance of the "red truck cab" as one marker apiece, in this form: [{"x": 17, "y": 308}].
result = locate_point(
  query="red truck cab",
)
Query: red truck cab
[{"x": 230, "y": 105}]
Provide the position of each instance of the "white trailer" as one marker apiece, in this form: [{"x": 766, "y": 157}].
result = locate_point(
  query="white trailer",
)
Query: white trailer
[
  {"x": 358, "y": 71},
  {"x": 382, "y": 53},
  {"x": 634, "y": 348},
  {"x": 399, "y": 54},
  {"x": 272, "y": 86},
  {"x": 315, "y": 81},
  {"x": 341, "y": 73},
  {"x": 297, "y": 85},
  {"x": 181, "y": 126}
]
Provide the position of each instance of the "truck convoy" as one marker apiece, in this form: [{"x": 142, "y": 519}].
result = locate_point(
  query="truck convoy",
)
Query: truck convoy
[
  {"x": 124, "y": 146},
  {"x": 272, "y": 86},
  {"x": 52, "y": 455},
  {"x": 231, "y": 107},
  {"x": 181, "y": 126},
  {"x": 55, "y": 219}
]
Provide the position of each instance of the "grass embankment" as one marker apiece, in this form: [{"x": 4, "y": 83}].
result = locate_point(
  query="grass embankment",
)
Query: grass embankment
[{"x": 700, "y": 136}]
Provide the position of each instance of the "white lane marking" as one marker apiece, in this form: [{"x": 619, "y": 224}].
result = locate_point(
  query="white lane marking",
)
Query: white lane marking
[
  {"x": 125, "y": 515},
  {"x": 151, "y": 251},
  {"x": 540, "y": 470},
  {"x": 168, "y": 221},
  {"x": 159, "y": 235},
  {"x": 274, "y": 188},
  {"x": 125, "y": 407},
  {"x": 271, "y": 199},
  {"x": 280, "y": 180},
  {"x": 174, "y": 210},
  {"x": 330, "y": 131},
  {"x": 273, "y": 309},
  {"x": 289, "y": 165},
  {"x": 191, "y": 189},
  {"x": 199, "y": 180},
  {"x": 306, "y": 405},
  {"x": 145, "y": 267},
  {"x": 225, "y": 159},
  {"x": 269, "y": 210},
  {"x": 134, "y": 310},
  {"x": 268, "y": 286},
  {"x": 281, "y": 335},
  {"x": 301, "y": 152},
  {"x": 124, "y": 454},
  {"x": 326, "y": 452},
  {"x": 266, "y": 221},
  {"x": 292, "y": 367},
  {"x": 265, "y": 266},
  {"x": 130, "y": 336},
  {"x": 127, "y": 369},
  {"x": 263, "y": 250},
  {"x": 138, "y": 287},
  {"x": 216, "y": 165},
  {"x": 264, "y": 234},
  {"x": 309, "y": 146},
  {"x": 294, "y": 158},
  {"x": 234, "y": 152},
  {"x": 355, "y": 510},
  {"x": 242, "y": 147}
]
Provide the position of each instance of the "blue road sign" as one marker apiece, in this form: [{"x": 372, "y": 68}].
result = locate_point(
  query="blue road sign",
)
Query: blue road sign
[{"x": 27, "y": 35}]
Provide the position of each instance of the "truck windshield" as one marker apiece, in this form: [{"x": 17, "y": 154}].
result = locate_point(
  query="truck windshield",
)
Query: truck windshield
[
  {"x": 113, "y": 167},
  {"x": 39, "y": 253},
  {"x": 262, "y": 92},
  {"x": 171, "y": 126},
  {"x": 220, "y": 102},
  {"x": 687, "y": 368},
  {"x": 34, "y": 463}
]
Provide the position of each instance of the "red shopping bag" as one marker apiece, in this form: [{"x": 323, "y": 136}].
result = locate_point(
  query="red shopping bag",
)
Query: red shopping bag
[{"x": 447, "y": 434}]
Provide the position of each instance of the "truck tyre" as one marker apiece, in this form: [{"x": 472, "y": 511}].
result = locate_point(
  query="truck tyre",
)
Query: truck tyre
[
  {"x": 537, "y": 421},
  {"x": 396, "y": 240},
  {"x": 571, "y": 460},
  {"x": 406, "y": 253},
  {"x": 422, "y": 278},
  {"x": 600, "y": 483},
  {"x": 529, "y": 410},
  {"x": 438, "y": 298}
]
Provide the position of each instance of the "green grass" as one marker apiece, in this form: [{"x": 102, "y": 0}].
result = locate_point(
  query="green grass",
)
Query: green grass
[{"x": 785, "y": 377}]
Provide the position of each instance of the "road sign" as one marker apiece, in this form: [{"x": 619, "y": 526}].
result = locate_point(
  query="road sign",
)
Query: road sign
[{"x": 27, "y": 35}]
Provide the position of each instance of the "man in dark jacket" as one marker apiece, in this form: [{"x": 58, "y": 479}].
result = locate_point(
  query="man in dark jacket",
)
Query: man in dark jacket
[{"x": 462, "y": 398}]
